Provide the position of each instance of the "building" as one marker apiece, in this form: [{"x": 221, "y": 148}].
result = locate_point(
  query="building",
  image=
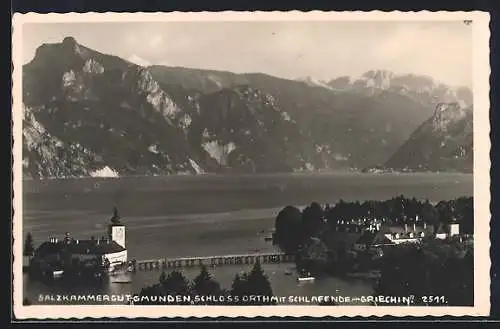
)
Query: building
[
  {"x": 376, "y": 236},
  {"x": 448, "y": 231},
  {"x": 111, "y": 249},
  {"x": 408, "y": 233},
  {"x": 372, "y": 240}
]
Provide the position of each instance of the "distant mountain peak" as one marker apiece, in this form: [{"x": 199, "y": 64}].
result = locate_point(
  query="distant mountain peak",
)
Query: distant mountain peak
[
  {"x": 69, "y": 41},
  {"x": 314, "y": 82},
  {"x": 421, "y": 88},
  {"x": 138, "y": 60}
]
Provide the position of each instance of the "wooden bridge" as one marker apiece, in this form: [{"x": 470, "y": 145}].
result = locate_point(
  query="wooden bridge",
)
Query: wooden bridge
[{"x": 169, "y": 263}]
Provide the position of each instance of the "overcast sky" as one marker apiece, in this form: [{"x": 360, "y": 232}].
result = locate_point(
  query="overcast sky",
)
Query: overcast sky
[{"x": 321, "y": 50}]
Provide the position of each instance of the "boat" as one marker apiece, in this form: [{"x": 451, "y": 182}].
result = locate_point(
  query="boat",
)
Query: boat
[
  {"x": 56, "y": 274},
  {"x": 288, "y": 272},
  {"x": 306, "y": 279}
]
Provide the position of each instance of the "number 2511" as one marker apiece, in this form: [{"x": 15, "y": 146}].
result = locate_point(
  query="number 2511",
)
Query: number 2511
[{"x": 434, "y": 299}]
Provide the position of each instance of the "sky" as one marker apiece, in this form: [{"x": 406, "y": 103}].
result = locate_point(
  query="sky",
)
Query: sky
[{"x": 320, "y": 50}]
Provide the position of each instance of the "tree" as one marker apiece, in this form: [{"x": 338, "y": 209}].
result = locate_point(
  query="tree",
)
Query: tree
[
  {"x": 253, "y": 283},
  {"x": 404, "y": 273},
  {"x": 205, "y": 285},
  {"x": 435, "y": 269},
  {"x": 312, "y": 220},
  {"x": 465, "y": 214},
  {"x": 175, "y": 284},
  {"x": 430, "y": 215},
  {"x": 28, "y": 245},
  {"x": 287, "y": 229},
  {"x": 258, "y": 284},
  {"x": 163, "y": 277},
  {"x": 150, "y": 291},
  {"x": 313, "y": 257},
  {"x": 239, "y": 287},
  {"x": 446, "y": 210}
]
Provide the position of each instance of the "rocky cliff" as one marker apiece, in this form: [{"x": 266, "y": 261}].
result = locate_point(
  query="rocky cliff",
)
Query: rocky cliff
[{"x": 443, "y": 143}]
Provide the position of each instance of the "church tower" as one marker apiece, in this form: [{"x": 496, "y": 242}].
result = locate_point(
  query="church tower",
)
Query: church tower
[{"x": 116, "y": 230}]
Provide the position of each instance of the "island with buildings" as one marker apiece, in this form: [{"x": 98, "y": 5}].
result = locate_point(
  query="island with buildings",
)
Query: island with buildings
[{"x": 73, "y": 256}]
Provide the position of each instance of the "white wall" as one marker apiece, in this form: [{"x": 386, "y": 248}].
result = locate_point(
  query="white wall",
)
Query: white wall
[
  {"x": 454, "y": 229},
  {"x": 118, "y": 257}
]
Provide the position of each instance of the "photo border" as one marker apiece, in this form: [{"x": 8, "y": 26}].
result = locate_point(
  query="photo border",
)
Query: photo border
[{"x": 482, "y": 164}]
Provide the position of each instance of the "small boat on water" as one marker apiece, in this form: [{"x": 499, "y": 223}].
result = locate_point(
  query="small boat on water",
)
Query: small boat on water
[
  {"x": 56, "y": 274},
  {"x": 288, "y": 272},
  {"x": 306, "y": 279}
]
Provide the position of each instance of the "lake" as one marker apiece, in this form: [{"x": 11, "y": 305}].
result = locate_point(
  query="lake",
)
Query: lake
[{"x": 180, "y": 216}]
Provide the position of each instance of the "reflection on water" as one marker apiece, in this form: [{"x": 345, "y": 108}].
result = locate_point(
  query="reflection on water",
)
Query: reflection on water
[{"x": 282, "y": 284}]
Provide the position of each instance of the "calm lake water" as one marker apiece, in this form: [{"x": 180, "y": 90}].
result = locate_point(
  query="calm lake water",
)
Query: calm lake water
[{"x": 180, "y": 216}]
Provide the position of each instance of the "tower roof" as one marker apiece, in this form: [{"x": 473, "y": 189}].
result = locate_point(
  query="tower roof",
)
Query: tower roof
[{"x": 115, "y": 219}]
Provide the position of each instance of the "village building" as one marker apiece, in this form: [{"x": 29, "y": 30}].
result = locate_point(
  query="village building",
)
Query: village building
[
  {"x": 377, "y": 237},
  {"x": 56, "y": 254}
]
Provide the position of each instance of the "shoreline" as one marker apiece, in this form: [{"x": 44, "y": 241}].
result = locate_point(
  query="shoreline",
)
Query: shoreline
[{"x": 236, "y": 175}]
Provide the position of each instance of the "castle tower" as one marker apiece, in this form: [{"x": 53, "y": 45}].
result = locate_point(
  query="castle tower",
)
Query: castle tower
[{"x": 116, "y": 230}]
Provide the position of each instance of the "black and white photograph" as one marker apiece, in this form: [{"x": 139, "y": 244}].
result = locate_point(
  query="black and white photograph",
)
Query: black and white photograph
[{"x": 325, "y": 162}]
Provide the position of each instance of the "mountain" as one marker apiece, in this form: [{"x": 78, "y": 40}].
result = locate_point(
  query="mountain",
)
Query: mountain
[
  {"x": 88, "y": 113},
  {"x": 343, "y": 129},
  {"x": 420, "y": 88},
  {"x": 95, "y": 111},
  {"x": 444, "y": 142}
]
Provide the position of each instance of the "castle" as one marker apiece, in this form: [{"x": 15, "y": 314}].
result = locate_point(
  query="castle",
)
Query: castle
[{"x": 55, "y": 254}]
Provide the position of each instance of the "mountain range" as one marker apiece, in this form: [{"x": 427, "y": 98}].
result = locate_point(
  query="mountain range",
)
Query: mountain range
[{"x": 85, "y": 113}]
